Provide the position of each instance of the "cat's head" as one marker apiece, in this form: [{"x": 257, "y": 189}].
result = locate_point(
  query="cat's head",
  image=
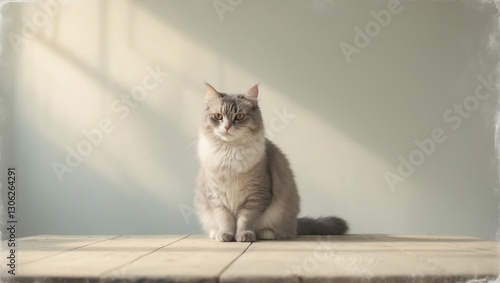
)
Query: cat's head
[{"x": 232, "y": 117}]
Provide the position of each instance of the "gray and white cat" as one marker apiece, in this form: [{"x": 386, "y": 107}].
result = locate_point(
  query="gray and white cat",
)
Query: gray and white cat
[{"x": 245, "y": 188}]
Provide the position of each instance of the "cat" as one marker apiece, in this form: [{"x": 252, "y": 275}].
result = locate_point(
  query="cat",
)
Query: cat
[{"x": 245, "y": 189}]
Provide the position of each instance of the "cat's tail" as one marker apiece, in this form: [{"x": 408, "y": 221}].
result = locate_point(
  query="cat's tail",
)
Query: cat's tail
[{"x": 330, "y": 225}]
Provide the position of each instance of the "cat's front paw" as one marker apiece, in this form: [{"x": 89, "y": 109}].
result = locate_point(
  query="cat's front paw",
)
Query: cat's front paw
[
  {"x": 213, "y": 233},
  {"x": 224, "y": 236},
  {"x": 245, "y": 236}
]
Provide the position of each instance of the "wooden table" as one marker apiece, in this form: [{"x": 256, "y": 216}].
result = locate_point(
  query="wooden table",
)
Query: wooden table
[{"x": 196, "y": 258}]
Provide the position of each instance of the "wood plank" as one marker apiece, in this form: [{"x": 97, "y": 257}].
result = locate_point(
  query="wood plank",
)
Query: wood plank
[
  {"x": 352, "y": 258},
  {"x": 29, "y": 249},
  {"x": 459, "y": 257},
  {"x": 478, "y": 245},
  {"x": 194, "y": 259},
  {"x": 90, "y": 261},
  {"x": 391, "y": 265},
  {"x": 276, "y": 261}
]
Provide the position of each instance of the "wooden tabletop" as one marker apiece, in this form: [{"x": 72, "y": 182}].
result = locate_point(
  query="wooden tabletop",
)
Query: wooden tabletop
[{"x": 196, "y": 258}]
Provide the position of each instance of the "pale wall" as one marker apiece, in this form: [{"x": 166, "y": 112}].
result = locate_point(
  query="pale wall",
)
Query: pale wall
[{"x": 344, "y": 121}]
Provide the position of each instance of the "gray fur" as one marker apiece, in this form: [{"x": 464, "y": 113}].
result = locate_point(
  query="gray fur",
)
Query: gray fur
[
  {"x": 245, "y": 188},
  {"x": 321, "y": 226}
]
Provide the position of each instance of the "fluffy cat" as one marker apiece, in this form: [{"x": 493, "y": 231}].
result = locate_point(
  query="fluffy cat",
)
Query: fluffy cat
[{"x": 245, "y": 188}]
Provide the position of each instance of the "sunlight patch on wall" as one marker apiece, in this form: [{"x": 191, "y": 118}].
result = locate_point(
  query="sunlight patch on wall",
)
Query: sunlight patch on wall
[
  {"x": 190, "y": 64},
  {"x": 56, "y": 95},
  {"x": 66, "y": 91},
  {"x": 320, "y": 154}
]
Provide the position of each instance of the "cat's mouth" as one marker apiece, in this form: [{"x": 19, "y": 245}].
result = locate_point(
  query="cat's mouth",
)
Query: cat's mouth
[{"x": 226, "y": 136}]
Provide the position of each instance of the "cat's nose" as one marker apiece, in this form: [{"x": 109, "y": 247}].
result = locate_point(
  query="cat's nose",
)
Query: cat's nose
[{"x": 227, "y": 127}]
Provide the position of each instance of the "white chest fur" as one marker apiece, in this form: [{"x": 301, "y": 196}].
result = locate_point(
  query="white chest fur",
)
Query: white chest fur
[{"x": 238, "y": 158}]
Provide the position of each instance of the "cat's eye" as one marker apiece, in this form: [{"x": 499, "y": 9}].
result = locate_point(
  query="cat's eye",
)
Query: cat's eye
[
  {"x": 217, "y": 116},
  {"x": 239, "y": 117}
]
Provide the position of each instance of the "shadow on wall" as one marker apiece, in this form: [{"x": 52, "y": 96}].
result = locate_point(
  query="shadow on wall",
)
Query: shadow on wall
[
  {"x": 398, "y": 82},
  {"x": 123, "y": 198},
  {"x": 91, "y": 203}
]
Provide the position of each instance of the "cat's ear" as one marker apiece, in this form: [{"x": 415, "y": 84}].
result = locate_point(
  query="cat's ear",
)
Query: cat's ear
[
  {"x": 211, "y": 94},
  {"x": 252, "y": 93}
]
